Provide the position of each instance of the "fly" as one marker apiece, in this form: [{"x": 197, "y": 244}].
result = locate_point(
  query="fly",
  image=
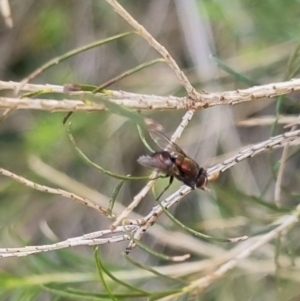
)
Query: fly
[{"x": 174, "y": 163}]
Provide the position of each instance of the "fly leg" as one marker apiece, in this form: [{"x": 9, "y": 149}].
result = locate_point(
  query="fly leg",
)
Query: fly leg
[
  {"x": 160, "y": 177},
  {"x": 170, "y": 183}
]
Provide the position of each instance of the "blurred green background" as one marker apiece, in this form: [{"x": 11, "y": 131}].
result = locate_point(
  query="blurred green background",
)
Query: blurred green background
[{"x": 220, "y": 45}]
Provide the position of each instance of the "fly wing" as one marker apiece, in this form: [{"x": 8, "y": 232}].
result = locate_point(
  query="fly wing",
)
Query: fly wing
[
  {"x": 151, "y": 163},
  {"x": 166, "y": 144},
  {"x": 159, "y": 161}
]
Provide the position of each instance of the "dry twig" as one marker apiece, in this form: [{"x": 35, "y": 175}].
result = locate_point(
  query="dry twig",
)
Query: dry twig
[
  {"x": 51, "y": 190},
  {"x": 281, "y": 170},
  {"x": 141, "y": 101}
]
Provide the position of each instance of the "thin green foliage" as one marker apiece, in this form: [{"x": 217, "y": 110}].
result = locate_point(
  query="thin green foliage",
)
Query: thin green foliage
[
  {"x": 290, "y": 73},
  {"x": 97, "y": 89},
  {"x": 27, "y": 294},
  {"x": 122, "y": 283},
  {"x": 158, "y": 254},
  {"x": 128, "y": 73},
  {"x": 292, "y": 247},
  {"x": 258, "y": 200},
  {"x": 133, "y": 116},
  {"x": 90, "y": 162},
  {"x": 194, "y": 232},
  {"x": 143, "y": 138},
  {"x": 58, "y": 59},
  {"x": 113, "y": 198},
  {"x": 278, "y": 249},
  {"x": 101, "y": 275},
  {"x": 293, "y": 65},
  {"x": 65, "y": 293},
  {"x": 9, "y": 281},
  {"x": 124, "y": 295},
  {"x": 271, "y": 206},
  {"x": 152, "y": 252},
  {"x": 133, "y": 291},
  {"x": 139, "y": 120},
  {"x": 37, "y": 93},
  {"x": 237, "y": 75},
  {"x": 87, "y": 295},
  {"x": 159, "y": 295},
  {"x": 151, "y": 270},
  {"x": 184, "y": 227},
  {"x": 120, "y": 110},
  {"x": 101, "y": 88}
]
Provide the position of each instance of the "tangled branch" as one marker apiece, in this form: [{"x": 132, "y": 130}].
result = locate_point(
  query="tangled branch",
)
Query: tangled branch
[
  {"x": 132, "y": 230},
  {"x": 138, "y": 227}
]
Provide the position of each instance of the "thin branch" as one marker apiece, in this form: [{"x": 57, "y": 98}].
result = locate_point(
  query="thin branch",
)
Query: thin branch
[
  {"x": 277, "y": 190},
  {"x": 281, "y": 171},
  {"x": 48, "y": 105},
  {"x": 89, "y": 239},
  {"x": 135, "y": 202},
  {"x": 51, "y": 190},
  {"x": 6, "y": 13},
  {"x": 183, "y": 124},
  {"x": 268, "y": 120},
  {"x": 5, "y": 114},
  {"x": 10, "y": 85},
  {"x": 254, "y": 150},
  {"x": 142, "y": 101}
]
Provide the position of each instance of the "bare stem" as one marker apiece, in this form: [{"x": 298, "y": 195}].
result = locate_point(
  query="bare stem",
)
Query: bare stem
[
  {"x": 142, "y": 101},
  {"x": 281, "y": 170},
  {"x": 51, "y": 190}
]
